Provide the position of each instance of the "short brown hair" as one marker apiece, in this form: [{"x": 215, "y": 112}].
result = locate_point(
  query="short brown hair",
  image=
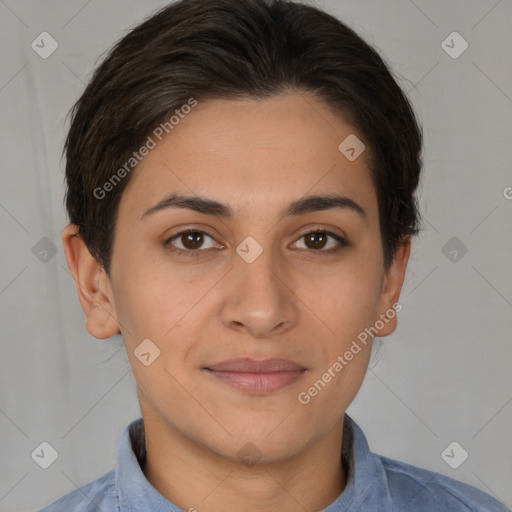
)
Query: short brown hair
[{"x": 236, "y": 49}]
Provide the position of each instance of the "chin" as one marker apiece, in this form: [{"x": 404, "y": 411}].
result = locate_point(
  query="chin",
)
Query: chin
[{"x": 264, "y": 445}]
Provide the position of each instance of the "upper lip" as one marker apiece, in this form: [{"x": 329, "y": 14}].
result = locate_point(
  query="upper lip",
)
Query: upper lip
[{"x": 248, "y": 365}]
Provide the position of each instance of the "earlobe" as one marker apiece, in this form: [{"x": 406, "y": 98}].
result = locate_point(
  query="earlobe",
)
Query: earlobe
[
  {"x": 393, "y": 281},
  {"x": 92, "y": 285}
]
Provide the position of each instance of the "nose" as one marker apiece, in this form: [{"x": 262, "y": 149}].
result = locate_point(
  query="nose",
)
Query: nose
[{"x": 258, "y": 296}]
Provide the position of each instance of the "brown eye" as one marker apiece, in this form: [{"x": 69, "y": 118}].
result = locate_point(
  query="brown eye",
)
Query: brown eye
[
  {"x": 318, "y": 240},
  {"x": 192, "y": 239},
  {"x": 189, "y": 243}
]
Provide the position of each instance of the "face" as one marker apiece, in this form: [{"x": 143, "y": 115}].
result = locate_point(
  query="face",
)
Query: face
[{"x": 261, "y": 274}]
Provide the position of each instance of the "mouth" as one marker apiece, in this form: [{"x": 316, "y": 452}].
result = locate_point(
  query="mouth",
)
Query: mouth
[{"x": 257, "y": 377}]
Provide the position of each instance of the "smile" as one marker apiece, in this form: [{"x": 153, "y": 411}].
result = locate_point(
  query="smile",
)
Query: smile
[{"x": 257, "y": 376}]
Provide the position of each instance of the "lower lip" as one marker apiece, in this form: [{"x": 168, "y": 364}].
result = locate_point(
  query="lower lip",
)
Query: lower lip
[{"x": 258, "y": 382}]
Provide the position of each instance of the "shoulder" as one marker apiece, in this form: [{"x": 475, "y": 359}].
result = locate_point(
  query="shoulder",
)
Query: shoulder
[
  {"x": 415, "y": 488},
  {"x": 97, "y": 495}
]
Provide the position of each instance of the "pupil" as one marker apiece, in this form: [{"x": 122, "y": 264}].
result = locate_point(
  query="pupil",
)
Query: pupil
[
  {"x": 315, "y": 238},
  {"x": 189, "y": 240}
]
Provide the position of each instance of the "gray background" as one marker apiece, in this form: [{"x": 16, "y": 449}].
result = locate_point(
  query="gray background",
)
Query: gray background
[{"x": 443, "y": 376}]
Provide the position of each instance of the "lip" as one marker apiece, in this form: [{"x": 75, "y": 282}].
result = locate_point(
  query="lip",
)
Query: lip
[
  {"x": 250, "y": 365},
  {"x": 257, "y": 376}
]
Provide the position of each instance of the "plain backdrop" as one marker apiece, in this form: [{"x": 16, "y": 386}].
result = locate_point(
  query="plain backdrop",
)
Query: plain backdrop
[{"x": 443, "y": 376}]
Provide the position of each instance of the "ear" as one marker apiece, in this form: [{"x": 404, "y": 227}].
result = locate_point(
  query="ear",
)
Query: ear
[
  {"x": 92, "y": 284},
  {"x": 391, "y": 287}
]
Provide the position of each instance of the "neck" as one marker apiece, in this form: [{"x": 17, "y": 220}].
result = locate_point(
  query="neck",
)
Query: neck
[{"x": 194, "y": 477}]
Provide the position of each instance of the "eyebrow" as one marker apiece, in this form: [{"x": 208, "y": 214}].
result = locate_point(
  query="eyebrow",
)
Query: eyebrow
[{"x": 207, "y": 206}]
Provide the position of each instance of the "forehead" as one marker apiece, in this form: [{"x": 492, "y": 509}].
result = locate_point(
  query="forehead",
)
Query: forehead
[{"x": 256, "y": 153}]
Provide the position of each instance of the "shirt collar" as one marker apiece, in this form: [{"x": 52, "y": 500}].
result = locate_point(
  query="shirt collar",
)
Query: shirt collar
[{"x": 366, "y": 480}]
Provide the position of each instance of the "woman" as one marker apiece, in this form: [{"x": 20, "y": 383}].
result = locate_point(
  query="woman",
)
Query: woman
[{"x": 241, "y": 191}]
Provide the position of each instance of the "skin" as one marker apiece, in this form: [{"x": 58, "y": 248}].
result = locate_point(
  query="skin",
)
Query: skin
[{"x": 294, "y": 301}]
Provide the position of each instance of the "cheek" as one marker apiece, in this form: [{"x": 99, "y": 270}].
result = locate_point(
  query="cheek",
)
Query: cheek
[
  {"x": 148, "y": 305},
  {"x": 163, "y": 303},
  {"x": 347, "y": 305},
  {"x": 346, "y": 299}
]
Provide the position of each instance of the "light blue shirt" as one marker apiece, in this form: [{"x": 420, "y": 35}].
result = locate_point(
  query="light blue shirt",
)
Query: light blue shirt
[{"x": 374, "y": 483}]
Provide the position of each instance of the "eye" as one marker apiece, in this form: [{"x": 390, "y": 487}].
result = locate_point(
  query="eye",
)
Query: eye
[
  {"x": 317, "y": 241},
  {"x": 191, "y": 240}
]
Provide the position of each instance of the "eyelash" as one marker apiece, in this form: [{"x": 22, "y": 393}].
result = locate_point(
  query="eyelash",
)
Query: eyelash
[{"x": 192, "y": 253}]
